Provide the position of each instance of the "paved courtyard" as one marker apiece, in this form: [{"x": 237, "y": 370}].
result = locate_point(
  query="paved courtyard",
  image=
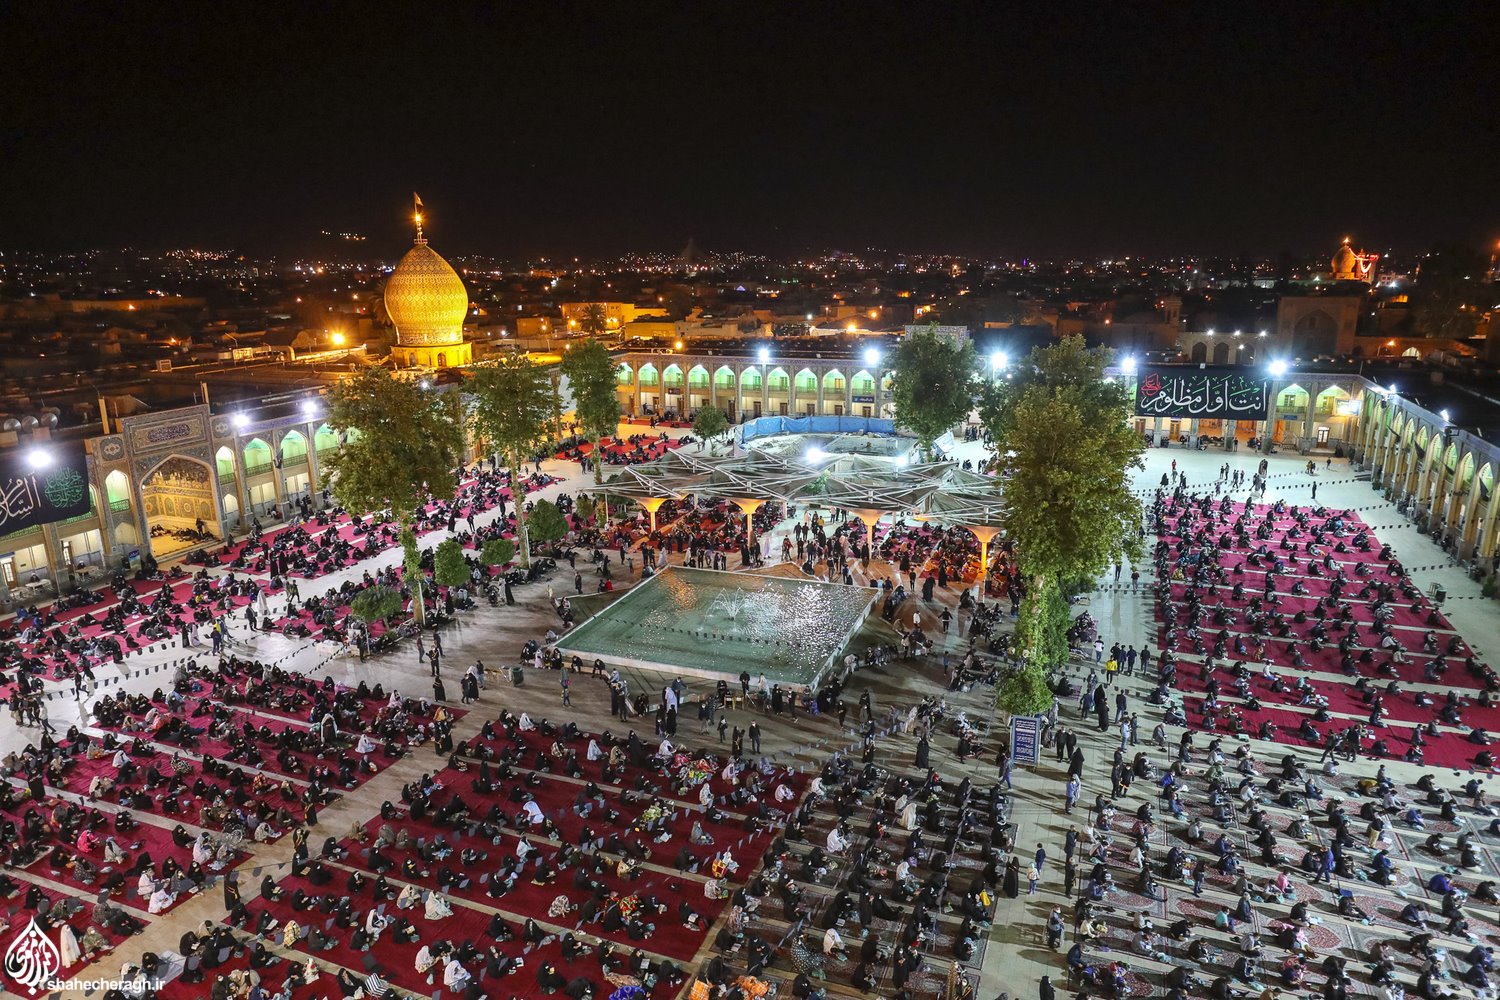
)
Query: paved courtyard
[{"x": 1016, "y": 955}]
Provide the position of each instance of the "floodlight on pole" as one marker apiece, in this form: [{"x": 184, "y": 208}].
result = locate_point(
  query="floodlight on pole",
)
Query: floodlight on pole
[
  {"x": 240, "y": 420},
  {"x": 39, "y": 458},
  {"x": 765, "y": 355},
  {"x": 1127, "y": 364},
  {"x": 999, "y": 361},
  {"x": 872, "y": 356},
  {"x": 1446, "y": 418},
  {"x": 1278, "y": 368}
]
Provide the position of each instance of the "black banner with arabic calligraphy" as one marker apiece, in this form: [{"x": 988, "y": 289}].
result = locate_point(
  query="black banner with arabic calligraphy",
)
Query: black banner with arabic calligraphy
[
  {"x": 1196, "y": 392},
  {"x": 31, "y": 495}
]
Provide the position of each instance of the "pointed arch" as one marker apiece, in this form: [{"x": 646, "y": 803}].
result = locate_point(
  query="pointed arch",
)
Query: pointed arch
[
  {"x": 648, "y": 374},
  {"x": 779, "y": 380},
  {"x": 293, "y": 447},
  {"x": 325, "y": 438},
  {"x": 117, "y": 490},
  {"x": 224, "y": 462},
  {"x": 625, "y": 375},
  {"x": 257, "y": 456},
  {"x": 697, "y": 377},
  {"x": 806, "y": 381},
  {"x": 833, "y": 381},
  {"x": 750, "y": 380}
]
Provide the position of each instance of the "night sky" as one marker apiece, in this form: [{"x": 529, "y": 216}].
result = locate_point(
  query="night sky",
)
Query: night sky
[{"x": 593, "y": 129}]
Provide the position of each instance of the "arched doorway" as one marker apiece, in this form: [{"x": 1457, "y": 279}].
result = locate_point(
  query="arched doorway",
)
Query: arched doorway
[{"x": 178, "y": 501}]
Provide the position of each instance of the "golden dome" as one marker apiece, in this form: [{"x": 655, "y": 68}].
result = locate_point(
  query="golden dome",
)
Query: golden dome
[
  {"x": 426, "y": 299},
  {"x": 1345, "y": 262}
]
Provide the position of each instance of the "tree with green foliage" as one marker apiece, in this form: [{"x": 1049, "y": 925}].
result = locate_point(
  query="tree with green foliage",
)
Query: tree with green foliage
[
  {"x": 401, "y": 445},
  {"x": 497, "y": 552},
  {"x": 1451, "y": 292},
  {"x": 585, "y": 507},
  {"x": 594, "y": 320},
  {"x": 933, "y": 379},
  {"x": 510, "y": 408},
  {"x": 710, "y": 423},
  {"x": 547, "y": 522},
  {"x": 591, "y": 373},
  {"x": 449, "y": 567},
  {"x": 375, "y": 603},
  {"x": 1067, "y": 451}
]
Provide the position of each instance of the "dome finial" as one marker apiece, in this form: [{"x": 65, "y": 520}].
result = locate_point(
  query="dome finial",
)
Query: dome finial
[{"x": 417, "y": 215}]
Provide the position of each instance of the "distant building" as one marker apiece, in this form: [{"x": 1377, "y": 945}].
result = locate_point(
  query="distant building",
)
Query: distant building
[
  {"x": 1311, "y": 326},
  {"x": 616, "y": 314}
]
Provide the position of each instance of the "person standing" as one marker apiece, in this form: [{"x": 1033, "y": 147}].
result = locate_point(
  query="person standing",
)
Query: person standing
[
  {"x": 1040, "y": 858},
  {"x": 1070, "y": 793},
  {"x": 566, "y": 683},
  {"x": 754, "y": 736}
]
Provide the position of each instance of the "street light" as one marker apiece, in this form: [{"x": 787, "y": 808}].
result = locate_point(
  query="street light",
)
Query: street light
[
  {"x": 1278, "y": 368},
  {"x": 999, "y": 361}
]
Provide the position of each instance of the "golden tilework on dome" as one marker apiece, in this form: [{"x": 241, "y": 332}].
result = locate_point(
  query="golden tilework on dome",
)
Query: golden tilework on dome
[{"x": 426, "y": 299}]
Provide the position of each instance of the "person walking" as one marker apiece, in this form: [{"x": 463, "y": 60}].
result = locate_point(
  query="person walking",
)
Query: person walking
[
  {"x": 1070, "y": 793},
  {"x": 566, "y": 683}
]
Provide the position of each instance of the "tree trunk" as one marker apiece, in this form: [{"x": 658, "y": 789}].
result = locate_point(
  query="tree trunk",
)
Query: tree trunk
[
  {"x": 418, "y": 610},
  {"x": 518, "y": 497}
]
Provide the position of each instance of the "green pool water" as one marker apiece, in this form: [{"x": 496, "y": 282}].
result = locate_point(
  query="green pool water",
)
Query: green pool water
[{"x": 715, "y": 623}]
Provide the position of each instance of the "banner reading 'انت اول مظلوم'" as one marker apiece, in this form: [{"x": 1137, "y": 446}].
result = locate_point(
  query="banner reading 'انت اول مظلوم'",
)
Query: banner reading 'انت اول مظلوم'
[
  {"x": 33, "y": 493},
  {"x": 1196, "y": 392}
]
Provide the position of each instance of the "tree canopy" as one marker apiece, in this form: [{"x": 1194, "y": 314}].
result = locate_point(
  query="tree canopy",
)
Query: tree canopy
[
  {"x": 1067, "y": 450},
  {"x": 932, "y": 384},
  {"x": 511, "y": 405},
  {"x": 375, "y": 604},
  {"x": 497, "y": 552},
  {"x": 710, "y": 422},
  {"x": 1450, "y": 292},
  {"x": 449, "y": 567},
  {"x": 547, "y": 522},
  {"x": 406, "y": 445},
  {"x": 591, "y": 372},
  {"x": 594, "y": 320}
]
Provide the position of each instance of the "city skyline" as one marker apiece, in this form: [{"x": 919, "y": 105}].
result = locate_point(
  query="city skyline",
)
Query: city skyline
[{"x": 967, "y": 131}]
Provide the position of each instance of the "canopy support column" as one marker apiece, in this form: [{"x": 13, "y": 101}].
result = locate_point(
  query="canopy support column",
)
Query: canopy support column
[
  {"x": 652, "y": 505},
  {"x": 748, "y": 508},
  {"x": 985, "y": 534}
]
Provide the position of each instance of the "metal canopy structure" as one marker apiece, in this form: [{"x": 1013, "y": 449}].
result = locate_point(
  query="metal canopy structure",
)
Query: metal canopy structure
[{"x": 938, "y": 492}]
